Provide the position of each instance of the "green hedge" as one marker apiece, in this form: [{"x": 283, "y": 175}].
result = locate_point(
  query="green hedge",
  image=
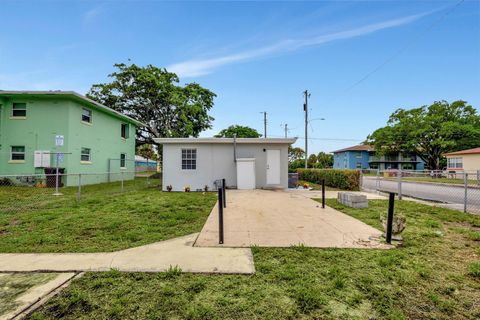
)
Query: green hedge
[{"x": 335, "y": 178}]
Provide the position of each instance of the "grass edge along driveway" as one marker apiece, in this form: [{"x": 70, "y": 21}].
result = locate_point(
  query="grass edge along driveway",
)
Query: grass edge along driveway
[
  {"x": 105, "y": 222},
  {"x": 434, "y": 275}
]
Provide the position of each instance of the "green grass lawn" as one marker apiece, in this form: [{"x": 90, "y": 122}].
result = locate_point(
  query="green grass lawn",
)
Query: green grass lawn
[
  {"x": 13, "y": 285},
  {"x": 434, "y": 275},
  {"x": 104, "y": 220},
  {"x": 433, "y": 180}
]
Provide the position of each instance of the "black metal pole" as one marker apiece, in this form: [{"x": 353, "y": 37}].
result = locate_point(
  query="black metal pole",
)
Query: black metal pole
[
  {"x": 224, "y": 187},
  {"x": 391, "y": 205},
  {"x": 220, "y": 215},
  {"x": 323, "y": 194}
]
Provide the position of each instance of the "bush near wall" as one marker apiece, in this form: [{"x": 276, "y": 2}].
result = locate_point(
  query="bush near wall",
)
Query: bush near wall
[{"x": 335, "y": 178}]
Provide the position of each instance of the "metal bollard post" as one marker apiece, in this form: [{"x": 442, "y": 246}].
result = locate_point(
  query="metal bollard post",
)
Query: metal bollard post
[
  {"x": 399, "y": 178},
  {"x": 220, "y": 215},
  {"x": 391, "y": 204},
  {"x": 465, "y": 198},
  {"x": 79, "y": 187},
  {"x": 323, "y": 194},
  {"x": 224, "y": 187}
]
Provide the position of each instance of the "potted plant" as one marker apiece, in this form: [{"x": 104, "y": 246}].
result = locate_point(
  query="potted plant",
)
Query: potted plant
[
  {"x": 398, "y": 225},
  {"x": 305, "y": 186},
  {"x": 169, "y": 188},
  {"x": 187, "y": 189}
]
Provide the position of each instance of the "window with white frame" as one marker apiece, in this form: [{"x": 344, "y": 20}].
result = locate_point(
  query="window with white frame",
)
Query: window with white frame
[
  {"x": 189, "y": 159},
  {"x": 123, "y": 160},
  {"x": 86, "y": 115},
  {"x": 19, "y": 110},
  {"x": 358, "y": 154},
  {"x": 455, "y": 163},
  {"x": 85, "y": 155},
  {"x": 17, "y": 153},
  {"x": 124, "y": 130}
]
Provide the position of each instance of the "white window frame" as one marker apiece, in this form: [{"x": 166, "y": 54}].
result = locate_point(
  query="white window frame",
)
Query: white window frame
[
  {"x": 189, "y": 159},
  {"x": 124, "y": 161},
  {"x": 89, "y": 116},
  {"x": 455, "y": 163},
  {"x": 17, "y": 153},
  {"x": 13, "y": 110},
  {"x": 89, "y": 154}
]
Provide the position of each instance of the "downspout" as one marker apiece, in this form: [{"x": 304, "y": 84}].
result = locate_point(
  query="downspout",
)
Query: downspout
[{"x": 234, "y": 147}]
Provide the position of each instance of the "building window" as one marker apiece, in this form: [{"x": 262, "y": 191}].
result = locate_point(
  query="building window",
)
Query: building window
[
  {"x": 358, "y": 154},
  {"x": 124, "y": 130},
  {"x": 189, "y": 159},
  {"x": 86, "y": 115},
  {"x": 85, "y": 155},
  {"x": 455, "y": 163},
  {"x": 19, "y": 110},
  {"x": 18, "y": 153},
  {"x": 123, "y": 160},
  {"x": 359, "y": 165}
]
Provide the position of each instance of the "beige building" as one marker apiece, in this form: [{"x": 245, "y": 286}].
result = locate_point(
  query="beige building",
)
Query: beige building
[{"x": 464, "y": 160}]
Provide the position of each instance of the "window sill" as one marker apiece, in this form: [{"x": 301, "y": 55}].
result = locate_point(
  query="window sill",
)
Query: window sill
[
  {"x": 87, "y": 123},
  {"x": 17, "y": 118},
  {"x": 85, "y": 162},
  {"x": 16, "y": 161},
  {"x": 124, "y": 139},
  {"x": 123, "y": 168}
]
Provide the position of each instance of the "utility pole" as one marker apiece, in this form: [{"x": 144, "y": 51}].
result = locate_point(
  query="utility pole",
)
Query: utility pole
[
  {"x": 264, "y": 123},
  {"x": 305, "y": 108},
  {"x": 286, "y": 130}
]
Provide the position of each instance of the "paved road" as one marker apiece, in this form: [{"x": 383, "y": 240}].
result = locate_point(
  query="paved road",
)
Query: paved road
[{"x": 428, "y": 191}]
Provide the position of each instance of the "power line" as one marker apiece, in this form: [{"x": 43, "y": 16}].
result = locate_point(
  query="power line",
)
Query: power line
[{"x": 407, "y": 45}]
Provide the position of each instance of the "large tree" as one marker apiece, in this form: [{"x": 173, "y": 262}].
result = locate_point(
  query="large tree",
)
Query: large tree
[
  {"x": 324, "y": 160},
  {"x": 153, "y": 96},
  {"x": 239, "y": 132},
  {"x": 295, "y": 153},
  {"x": 429, "y": 131}
]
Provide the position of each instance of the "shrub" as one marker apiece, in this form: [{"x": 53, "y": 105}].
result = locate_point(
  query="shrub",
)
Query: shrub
[{"x": 341, "y": 179}]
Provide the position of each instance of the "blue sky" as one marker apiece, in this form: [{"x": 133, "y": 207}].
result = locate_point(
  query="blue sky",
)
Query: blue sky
[{"x": 259, "y": 56}]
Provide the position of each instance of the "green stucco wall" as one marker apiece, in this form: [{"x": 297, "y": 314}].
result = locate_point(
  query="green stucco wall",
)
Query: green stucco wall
[{"x": 51, "y": 116}]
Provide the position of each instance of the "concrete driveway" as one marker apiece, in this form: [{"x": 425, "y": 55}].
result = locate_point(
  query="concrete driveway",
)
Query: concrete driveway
[{"x": 282, "y": 219}]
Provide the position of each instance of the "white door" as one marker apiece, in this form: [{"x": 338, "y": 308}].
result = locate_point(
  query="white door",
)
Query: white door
[
  {"x": 246, "y": 174},
  {"x": 273, "y": 167}
]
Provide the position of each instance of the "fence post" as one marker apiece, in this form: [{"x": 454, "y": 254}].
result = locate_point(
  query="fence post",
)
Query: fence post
[
  {"x": 465, "y": 183},
  {"x": 224, "y": 187},
  {"x": 220, "y": 215},
  {"x": 79, "y": 187},
  {"x": 391, "y": 204},
  {"x": 399, "y": 178},
  {"x": 478, "y": 177},
  {"x": 377, "y": 184},
  {"x": 323, "y": 194},
  {"x": 121, "y": 174}
]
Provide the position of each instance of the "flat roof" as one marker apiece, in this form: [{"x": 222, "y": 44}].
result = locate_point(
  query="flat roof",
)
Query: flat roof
[
  {"x": 75, "y": 96},
  {"x": 225, "y": 140},
  {"x": 468, "y": 151}
]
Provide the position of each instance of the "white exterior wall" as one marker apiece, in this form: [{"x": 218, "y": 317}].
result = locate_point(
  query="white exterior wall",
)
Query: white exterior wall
[{"x": 216, "y": 161}]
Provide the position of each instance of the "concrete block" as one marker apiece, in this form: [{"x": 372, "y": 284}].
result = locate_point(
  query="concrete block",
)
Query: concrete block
[{"x": 353, "y": 200}]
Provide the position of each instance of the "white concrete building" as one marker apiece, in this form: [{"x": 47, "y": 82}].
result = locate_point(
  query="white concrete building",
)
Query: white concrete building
[{"x": 245, "y": 163}]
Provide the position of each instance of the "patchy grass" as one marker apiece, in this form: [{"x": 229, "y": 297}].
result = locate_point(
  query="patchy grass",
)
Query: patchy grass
[
  {"x": 317, "y": 187},
  {"x": 14, "y": 285},
  {"x": 104, "y": 220},
  {"x": 434, "y": 275}
]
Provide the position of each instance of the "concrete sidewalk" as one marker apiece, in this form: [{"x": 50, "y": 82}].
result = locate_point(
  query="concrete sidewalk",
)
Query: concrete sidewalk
[
  {"x": 282, "y": 219},
  {"x": 156, "y": 257}
]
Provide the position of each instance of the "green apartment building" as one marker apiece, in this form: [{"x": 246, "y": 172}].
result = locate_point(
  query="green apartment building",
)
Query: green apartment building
[{"x": 37, "y": 127}]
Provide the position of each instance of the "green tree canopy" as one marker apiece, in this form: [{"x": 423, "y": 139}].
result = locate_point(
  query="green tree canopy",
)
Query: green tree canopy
[
  {"x": 324, "y": 160},
  {"x": 429, "y": 131},
  {"x": 147, "y": 151},
  {"x": 295, "y": 153},
  {"x": 239, "y": 131},
  {"x": 152, "y": 95}
]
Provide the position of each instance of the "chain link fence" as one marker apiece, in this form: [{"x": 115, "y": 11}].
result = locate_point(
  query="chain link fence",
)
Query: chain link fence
[
  {"x": 25, "y": 192},
  {"x": 455, "y": 189}
]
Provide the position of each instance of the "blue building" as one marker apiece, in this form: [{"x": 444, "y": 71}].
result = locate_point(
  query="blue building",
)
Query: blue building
[{"x": 363, "y": 157}]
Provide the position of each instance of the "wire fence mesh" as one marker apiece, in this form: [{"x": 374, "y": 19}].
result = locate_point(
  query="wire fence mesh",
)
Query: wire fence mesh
[
  {"x": 25, "y": 192},
  {"x": 456, "y": 189}
]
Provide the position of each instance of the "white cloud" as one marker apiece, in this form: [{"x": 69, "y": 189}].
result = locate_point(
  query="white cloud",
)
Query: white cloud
[
  {"x": 198, "y": 67},
  {"x": 90, "y": 15}
]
